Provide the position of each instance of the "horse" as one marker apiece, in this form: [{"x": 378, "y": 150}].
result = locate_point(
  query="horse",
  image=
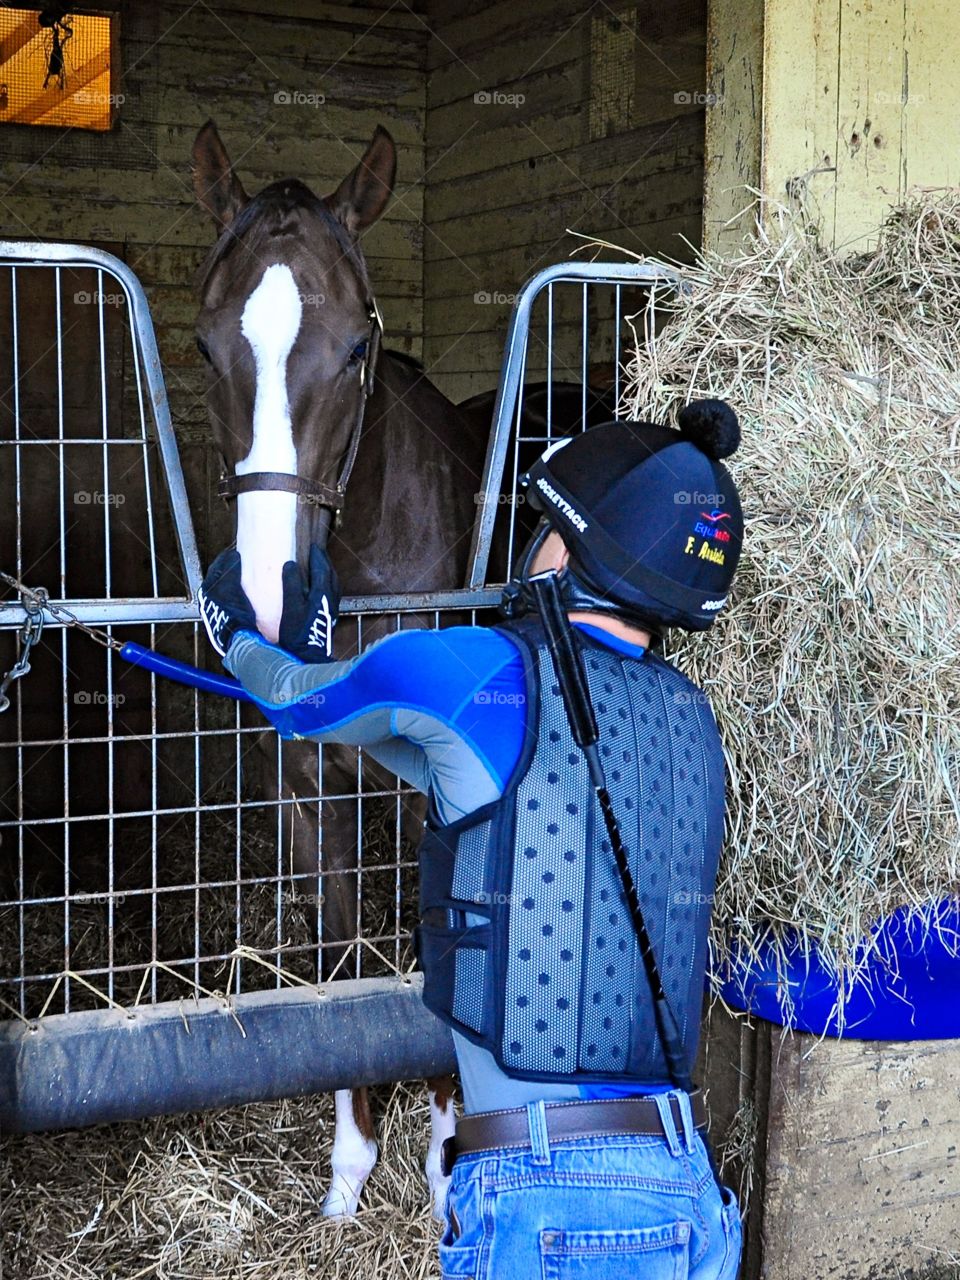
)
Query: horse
[
  {"x": 303, "y": 398},
  {"x": 297, "y": 385}
]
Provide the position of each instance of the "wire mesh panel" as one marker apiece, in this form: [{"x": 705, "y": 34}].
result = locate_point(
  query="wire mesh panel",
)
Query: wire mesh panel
[
  {"x": 91, "y": 494},
  {"x": 157, "y": 842},
  {"x": 150, "y": 831},
  {"x": 562, "y": 372}
]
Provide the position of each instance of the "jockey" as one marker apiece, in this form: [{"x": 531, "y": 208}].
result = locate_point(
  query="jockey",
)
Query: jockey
[{"x": 572, "y": 984}]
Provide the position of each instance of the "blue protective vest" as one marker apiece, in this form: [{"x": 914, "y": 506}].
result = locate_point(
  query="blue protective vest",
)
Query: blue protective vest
[{"x": 525, "y": 941}]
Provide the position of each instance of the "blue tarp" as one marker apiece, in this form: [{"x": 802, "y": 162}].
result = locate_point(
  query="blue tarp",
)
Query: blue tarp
[{"x": 911, "y": 991}]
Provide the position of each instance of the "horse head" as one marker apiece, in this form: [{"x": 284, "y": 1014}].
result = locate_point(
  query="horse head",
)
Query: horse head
[{"x": 290, "y": 331}]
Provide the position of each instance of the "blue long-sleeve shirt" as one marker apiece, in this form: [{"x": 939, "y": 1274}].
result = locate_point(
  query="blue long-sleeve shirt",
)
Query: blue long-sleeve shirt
[{"x": 446, "y": 711}]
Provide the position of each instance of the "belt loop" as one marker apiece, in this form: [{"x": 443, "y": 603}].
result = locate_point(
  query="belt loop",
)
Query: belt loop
[
  {"x": 686, "y": 1115},
  {"x": 539, "y": 1139},
  {"x": 663, "y": 1101}
]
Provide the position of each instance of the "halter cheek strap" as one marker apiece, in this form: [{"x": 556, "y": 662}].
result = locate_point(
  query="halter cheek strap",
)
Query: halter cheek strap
[{"x": 310, "y": 491}]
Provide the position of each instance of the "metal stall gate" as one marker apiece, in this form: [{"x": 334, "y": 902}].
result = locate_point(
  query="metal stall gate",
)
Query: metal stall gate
[{"x": 158, "y": 952}]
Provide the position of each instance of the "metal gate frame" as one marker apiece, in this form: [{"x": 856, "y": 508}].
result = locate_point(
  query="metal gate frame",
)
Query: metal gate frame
[{"x": 76, "y": 1068}]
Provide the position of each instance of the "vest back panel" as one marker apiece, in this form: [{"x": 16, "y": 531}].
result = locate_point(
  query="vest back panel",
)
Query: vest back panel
[{"x": 526, "y": 940}]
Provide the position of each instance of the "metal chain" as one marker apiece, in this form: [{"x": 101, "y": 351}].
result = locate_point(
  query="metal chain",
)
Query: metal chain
[
  {"x": 30, "y": 633},
  {"x": 34, "y": 600}
]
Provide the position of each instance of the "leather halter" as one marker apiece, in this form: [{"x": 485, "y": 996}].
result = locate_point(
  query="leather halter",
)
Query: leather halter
[{"x": 310, "y": 491}]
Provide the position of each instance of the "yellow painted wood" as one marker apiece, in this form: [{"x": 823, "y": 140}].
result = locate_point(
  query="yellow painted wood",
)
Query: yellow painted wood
[
  {"x": 734, "y": 81},
  {"x": 858, "y": 101},
  {"x": 869, "y": 118},
  {"x": 931, "y": 94},
  {"x": 799, "y": 107}
]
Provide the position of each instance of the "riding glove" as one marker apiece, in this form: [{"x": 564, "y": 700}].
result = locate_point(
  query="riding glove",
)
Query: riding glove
[
  {"x": 310, "y": 613},
  {"x": 224, "y": 606}
]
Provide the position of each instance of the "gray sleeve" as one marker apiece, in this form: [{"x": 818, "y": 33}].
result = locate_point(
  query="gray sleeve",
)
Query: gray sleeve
[
  {"x": 277, "y": 681},
  {"x": 272, "y": 676}
]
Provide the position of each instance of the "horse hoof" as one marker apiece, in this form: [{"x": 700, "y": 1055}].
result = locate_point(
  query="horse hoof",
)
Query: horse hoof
[
  {"x": 341, "y": 1201},
  {"x": 352, "y": 1163}
]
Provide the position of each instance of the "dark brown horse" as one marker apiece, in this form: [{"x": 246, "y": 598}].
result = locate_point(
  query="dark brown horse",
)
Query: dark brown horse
[{"x": 290, "y": 329}]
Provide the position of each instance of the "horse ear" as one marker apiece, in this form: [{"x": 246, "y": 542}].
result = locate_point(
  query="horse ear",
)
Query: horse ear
[
  {"x": 363, "y": 194},
  {"x": 217, "y": 187}
]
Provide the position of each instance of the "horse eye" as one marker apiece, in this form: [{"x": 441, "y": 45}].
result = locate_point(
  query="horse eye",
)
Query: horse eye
[
  {"x": 359, "y": 351},
  {"x": 204, "y": 350}
]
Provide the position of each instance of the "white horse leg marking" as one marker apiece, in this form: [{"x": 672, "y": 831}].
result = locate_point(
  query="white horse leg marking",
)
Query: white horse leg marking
[
  {"x": 266, "y": 522},
  {"x": 354, "y": 1156},
  {"x": 442, "y": 1121}
]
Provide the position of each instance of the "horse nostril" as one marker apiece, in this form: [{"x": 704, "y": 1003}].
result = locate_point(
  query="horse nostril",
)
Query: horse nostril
[{"x": 204, "y": 350}]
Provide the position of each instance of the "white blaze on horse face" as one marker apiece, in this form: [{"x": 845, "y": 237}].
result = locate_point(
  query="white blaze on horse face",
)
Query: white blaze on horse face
[{"x": 266, "y": 522}]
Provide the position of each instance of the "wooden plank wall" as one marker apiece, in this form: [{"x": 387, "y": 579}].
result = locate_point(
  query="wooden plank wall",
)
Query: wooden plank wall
[
  {"x": 837, "y": 108},
  {"x": 369, "y": 62},
  {"x": 839, "y": 112},
  {"x": 542, "y": 118},
  {"x": 485, "y": 191},
  {"x": 863, "y": 1175}
]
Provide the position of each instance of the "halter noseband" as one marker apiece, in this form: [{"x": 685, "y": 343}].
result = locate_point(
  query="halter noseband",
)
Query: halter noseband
[{"x": 310, "y": 491}]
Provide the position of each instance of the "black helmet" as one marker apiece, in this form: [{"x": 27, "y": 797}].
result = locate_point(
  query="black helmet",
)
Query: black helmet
[{"x": 650, "y": 516}]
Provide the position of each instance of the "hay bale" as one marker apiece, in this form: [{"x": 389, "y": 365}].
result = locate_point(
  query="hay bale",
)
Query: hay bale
[{"x": 835, "y": 674}]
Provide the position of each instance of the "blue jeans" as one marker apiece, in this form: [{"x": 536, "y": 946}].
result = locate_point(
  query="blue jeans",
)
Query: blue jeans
[{"x": 599, "y": 1208}]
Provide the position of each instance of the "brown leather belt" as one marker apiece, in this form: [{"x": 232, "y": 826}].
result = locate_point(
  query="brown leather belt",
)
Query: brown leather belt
[{"x": 490, "y": 1130}]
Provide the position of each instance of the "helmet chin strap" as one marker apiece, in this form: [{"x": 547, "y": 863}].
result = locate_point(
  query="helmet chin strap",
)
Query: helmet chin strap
[{"x": 519, "y": 598}]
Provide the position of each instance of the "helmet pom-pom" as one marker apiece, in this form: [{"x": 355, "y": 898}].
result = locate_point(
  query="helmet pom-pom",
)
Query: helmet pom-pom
[{"x": 711, "y": 425}]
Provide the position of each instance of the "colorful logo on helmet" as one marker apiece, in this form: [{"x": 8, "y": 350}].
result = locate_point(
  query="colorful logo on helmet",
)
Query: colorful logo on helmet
[{"x": 709, "y": 526}]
